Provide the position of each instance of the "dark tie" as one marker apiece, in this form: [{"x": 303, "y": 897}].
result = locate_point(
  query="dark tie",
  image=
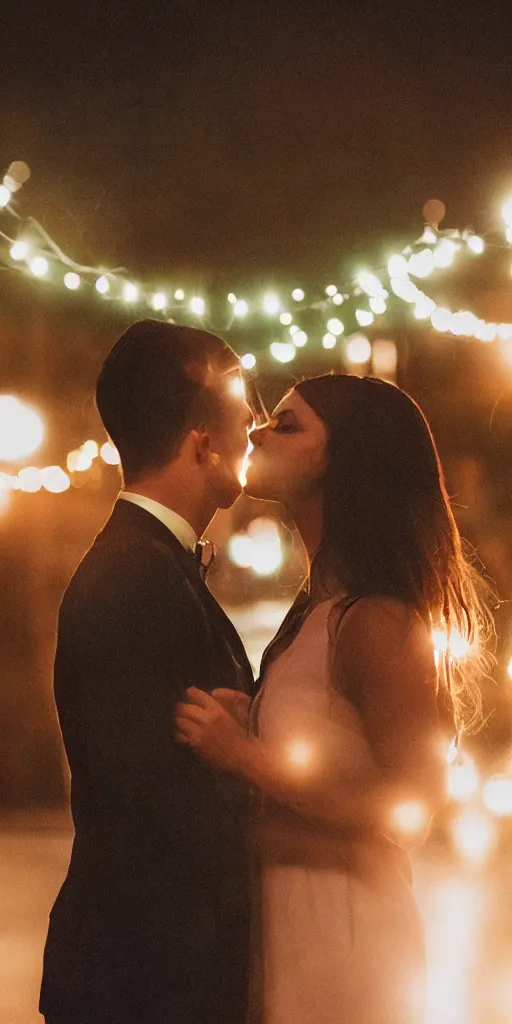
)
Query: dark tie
[{"x": 204, "y": 554}]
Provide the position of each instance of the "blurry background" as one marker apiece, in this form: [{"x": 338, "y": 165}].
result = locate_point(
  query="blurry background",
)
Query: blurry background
[{"x": 211, "y": 151}]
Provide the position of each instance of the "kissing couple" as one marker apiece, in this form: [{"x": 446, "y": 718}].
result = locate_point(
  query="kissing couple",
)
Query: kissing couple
[{"x": 238, "y": 854}]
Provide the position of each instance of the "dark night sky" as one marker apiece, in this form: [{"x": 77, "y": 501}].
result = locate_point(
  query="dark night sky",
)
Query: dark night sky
[{"x": 245, "y": 140}]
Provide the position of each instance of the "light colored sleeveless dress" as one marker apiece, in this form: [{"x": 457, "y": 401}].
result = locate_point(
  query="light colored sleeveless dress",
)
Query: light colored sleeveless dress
[{"x": 338, "y": 942}]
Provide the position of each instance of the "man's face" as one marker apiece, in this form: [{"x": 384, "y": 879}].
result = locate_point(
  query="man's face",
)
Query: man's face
[{"x": 229, "y": 437}]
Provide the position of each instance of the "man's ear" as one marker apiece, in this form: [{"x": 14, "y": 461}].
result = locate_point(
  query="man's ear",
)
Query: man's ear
[{"x": 204, "y": 454}]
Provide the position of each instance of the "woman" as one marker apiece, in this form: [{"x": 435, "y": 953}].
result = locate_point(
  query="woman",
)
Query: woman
[{"x": 349, "y": 730}]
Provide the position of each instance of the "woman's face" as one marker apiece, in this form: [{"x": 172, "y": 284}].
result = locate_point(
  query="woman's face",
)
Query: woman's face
[{"x": 289, "y": 458}]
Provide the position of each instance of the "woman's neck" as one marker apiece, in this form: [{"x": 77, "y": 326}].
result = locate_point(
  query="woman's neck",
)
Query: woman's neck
[{"x": 308, "y": 520}]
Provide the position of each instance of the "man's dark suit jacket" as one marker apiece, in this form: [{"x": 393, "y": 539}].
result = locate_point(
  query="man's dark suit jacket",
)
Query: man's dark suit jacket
[{"x": 151, "y": 924}]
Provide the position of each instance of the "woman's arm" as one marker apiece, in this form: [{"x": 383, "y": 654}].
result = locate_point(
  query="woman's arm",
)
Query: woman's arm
[{"x": 385, "y": 655}]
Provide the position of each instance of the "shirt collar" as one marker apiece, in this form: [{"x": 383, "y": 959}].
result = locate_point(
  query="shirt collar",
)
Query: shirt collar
[{"x": 175, "y": 523}]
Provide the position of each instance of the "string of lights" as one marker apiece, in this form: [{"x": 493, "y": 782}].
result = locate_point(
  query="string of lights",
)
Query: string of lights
[{"x": 31, "y": 250}]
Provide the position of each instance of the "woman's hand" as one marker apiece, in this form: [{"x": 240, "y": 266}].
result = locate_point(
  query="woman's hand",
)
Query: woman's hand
[{"x": 211, "y": 730}]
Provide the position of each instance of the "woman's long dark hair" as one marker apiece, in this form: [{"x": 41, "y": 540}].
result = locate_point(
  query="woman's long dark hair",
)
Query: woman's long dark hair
[{"x": 388, "y": 528}]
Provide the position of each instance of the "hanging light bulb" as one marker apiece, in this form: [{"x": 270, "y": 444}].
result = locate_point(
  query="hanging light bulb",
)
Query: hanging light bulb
[
  {"x": 102, "y": 285},
  {"x": 240, "y": 309},
  {"x": 476, "y": 244},
  {"x": 19, "y": 250},
  {"x": 130, "y": 292},
  {"x": 271, "y": 304},
  {"x": 39, "y": 266},
  {"x": 72, "y": 281},
  {"x": 159, "y": 301},
  {"x": 179, "y": 294},
  {"x": 197, "y": 305}
]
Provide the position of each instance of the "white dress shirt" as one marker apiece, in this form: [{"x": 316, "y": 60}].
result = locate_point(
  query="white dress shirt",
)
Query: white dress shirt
[{"x": 175, "y": 523}]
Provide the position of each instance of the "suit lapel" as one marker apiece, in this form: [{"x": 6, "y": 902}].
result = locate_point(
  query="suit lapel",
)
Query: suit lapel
[{"x": 128, "y": 512}]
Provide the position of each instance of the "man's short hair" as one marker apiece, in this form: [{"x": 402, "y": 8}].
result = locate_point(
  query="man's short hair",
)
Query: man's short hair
[{"x": 154, "y": 386}]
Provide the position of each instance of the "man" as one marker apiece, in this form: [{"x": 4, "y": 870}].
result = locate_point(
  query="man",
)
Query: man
[{"x": 151, "y": 923}]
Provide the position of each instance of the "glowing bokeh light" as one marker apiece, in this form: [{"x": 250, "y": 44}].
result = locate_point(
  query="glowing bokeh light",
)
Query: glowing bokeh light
[
  {"x": 364, "y": 317},
  {"x": 54, "y": 479},
  {"x": 197, "y": 305},
  {"x": 159, "y": 301},
  {"x": 240, "y": 308},
  {"x": 476, "y": 244},
  {"x": 21, "y": 429},
  {"x": 474, "y": 835},
  {"x": 463, "y": 782},
  {"x": 19, "y": 250},
  {"x": 102, "y": 285},
  {"x": 300, "y": 339},
  {"x": 30, "y": 479},
  {"x": 331, "y": 290},
  {"x": 110, "y": 454},
  {"x": 5, "y": 196},
  {"x": 285, "y": 319},
  {"x": 409, "y": 818},
  {"x": 131, "y": 293},
  {"x": 498, "y": 795},
  {"x": 298, "y": 295},
  {"x": 72, "y": 281},
  {"x": 335, "y": 326},
  {"x": 39, "y": 266},
  {"x": 271, "y": 304},
  {"x": 248, "y": 361},
  {"x": 358, "y": 350},
  {"x": 179, "y": 294},
  {"x": 282, "y": 351},
  {"x": 329, "y": 341}
]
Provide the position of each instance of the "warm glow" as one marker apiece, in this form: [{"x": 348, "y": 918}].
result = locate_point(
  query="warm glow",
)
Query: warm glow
[
  {"x": 440, "y": 319},
  {"x": 300, "y": 339},
  {"x": 457, "y": 647},
  {"x": 102, "y": 285},
  {"x": 397, "y": 266},
  {"x": 231, "y": 298},
  {"x": 298, "y": 295},
  {"x": 509, "y": 669},
  {"x": 286, "y": 319},
  {"x": 179, "y": 294},
  {"x": 452, "y": 752},
  {"x": 237, "y": 387},
  {"x": 506, "y": 211},
  {"x": 241, "y": 308},
  {"x": 369, "y": 284},
  {"x": 248, "y": 361},
  {"x": 130, "y": 292},
  {"x": 335, "y": 326},
  {"x": 197, "y": 305},
  {"x": 358, "y": 350},
  {"x": 378, "y": 305},
  {"x": 421, "y": 264},
  {"x": 409, "y": 818},
  {"x": 72, "y": 281},
  {"x": 338, "y": 299},
  {"x": 331, "y": 290},
  {"x": 474, "y": 836},
  {"x": 462, "y": 782},
  {"x": 282, "y": 351},
  {"x": 19, "y": 251},
  {"x": 444, "y": 253},
  {"x": 259, "y": 549},
  {"x": 476, "y": 244},
  {"x": 405, "y": 289},
  {"x": 299, "y": 753},
  {"x": 39, "y": 266},
  {"x": 110, "y": 454},
  {"x": 329, "y": 341},
  {"x": 54, "y": 479},
  {"x": 159, "y": 301},
  {"x": 498, "y": 795},
  {"x": 21, "y": 429},
  {"x": 5, "y": 196},
  {"x": 240, "y": 550},
  {"x": 424, "y": 308},
  {"x": 30, "y": 479},
  {"x": 364, "y": 317},
  {"x": 271, "y": 304}
]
